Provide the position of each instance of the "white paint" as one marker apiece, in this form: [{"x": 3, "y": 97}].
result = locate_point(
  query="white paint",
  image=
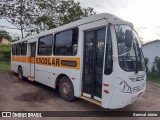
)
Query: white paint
[{"x": 151, "y": 50}]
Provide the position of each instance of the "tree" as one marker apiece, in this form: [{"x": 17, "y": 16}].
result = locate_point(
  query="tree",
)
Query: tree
[
  {"x": 69, "y": 11},
  {"x": 157, "y": 63},
  {"x": 55, "y": 13},
  {"x": 20, "y": 13},
  {"x": 4, "y": 34},
  {"x": 153, "y": 68},
  {"x": 39, "y": 15}
]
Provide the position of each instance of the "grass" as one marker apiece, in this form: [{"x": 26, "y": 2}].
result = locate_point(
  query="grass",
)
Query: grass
[
  {"x": 153, "y": 77},
  {"x": 4, "y": 66}
]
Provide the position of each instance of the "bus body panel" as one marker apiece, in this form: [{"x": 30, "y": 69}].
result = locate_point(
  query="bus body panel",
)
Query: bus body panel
[
  {"x": 118, "y": 99},
  {"x": 15, "y": 65}
]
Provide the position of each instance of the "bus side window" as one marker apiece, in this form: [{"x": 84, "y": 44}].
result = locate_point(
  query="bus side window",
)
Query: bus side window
[
  {"x": 109, "y": 52},
  {"x": 18, "y": 51},
  {"x": 24, "y": 48},
  {"x": 14, "y": 49},
  {"x": 66, "y": 42},
  {"x": 45, "y": 45}
]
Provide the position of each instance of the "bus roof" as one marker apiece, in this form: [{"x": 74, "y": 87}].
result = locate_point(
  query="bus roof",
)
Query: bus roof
[{"x": 109, "y": 17}]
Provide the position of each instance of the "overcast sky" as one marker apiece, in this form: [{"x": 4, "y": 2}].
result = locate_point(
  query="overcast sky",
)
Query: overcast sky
[{"x": 144, "y": 14}]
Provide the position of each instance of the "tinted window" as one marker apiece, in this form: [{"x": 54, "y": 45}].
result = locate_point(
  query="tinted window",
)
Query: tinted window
[
  {"x": 18, "y": 49},
  {"x": 100, "y": 47},
  {"x": 45, "y": 45},
  {"x": 66, "y": 42},
  {"x": 109, "y": 52},
  {"x": 13, "y": 49},
  {"x": 24, "y": 48}
]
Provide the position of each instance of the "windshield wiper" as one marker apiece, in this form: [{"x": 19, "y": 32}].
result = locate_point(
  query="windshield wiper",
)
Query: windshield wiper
[{"x": 134, "y": 46}]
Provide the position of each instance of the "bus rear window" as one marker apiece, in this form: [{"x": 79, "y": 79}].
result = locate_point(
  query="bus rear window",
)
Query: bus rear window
[{"x": 14, "y": 49}]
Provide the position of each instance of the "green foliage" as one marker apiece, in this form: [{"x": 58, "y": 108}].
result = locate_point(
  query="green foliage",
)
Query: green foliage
[
  {"x": 5, "y": 53},
  {"x": 1, "y": 56},
  {"x": 70, "y": 11},
  {"x": 5, "y": 34},
  {"x": 55, "y": 13},
  {"x": 20, "y": 13},
  {"x": 153, "y": 77},
  {"x": 39, "y": 15},
  {"x": 156, "y": 65},
  {"x": 4, "y": 66},
  {"x": 153, "y": 69}
]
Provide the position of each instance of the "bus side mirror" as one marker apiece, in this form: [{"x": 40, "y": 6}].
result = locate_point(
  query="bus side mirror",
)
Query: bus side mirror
[{"x": 128, "y": 38}]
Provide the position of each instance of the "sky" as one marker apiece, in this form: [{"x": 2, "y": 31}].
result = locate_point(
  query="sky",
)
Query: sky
[{"x": 144, "y": 14}]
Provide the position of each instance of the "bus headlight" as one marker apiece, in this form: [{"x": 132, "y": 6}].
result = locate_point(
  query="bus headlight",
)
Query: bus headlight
[{"x": 124, "y": 87}]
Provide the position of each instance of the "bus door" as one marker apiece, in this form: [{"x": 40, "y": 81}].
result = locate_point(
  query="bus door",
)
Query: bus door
[
  {"x": 94, "y": 42},
  {"x": 32, "y": 59}
]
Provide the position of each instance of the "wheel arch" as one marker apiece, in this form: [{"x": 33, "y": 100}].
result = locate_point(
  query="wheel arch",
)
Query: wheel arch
[
  {"x": 19, "y": 67},
  {"x": 58, "y": 79},
  {"x": 62, "y": 79}
]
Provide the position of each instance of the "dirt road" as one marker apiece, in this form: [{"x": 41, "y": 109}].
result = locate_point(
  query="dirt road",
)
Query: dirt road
[{"x": 23, "y": 95}]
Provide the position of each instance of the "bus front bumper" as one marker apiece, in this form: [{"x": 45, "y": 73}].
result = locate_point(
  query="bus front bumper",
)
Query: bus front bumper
[{"x": 120, "y": 99}]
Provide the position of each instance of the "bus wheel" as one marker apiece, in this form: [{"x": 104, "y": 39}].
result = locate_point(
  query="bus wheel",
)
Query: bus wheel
[
  {"x": 66, "y": 89},
  {"x": 20, "y": 73}
]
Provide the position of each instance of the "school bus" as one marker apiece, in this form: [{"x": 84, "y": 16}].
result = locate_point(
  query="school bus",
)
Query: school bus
[{"x": 97, "y": 58}]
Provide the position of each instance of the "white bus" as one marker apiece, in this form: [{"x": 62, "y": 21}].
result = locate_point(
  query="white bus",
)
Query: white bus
[{"x": 97, "y": 58}]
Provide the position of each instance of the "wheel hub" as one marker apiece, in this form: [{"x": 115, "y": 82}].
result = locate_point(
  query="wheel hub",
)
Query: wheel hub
[
  {"x": 66, "y": 88},
  {"x": 20, "y": 74}
]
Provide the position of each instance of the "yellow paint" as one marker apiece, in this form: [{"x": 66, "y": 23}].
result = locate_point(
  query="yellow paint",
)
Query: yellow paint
[
  {"x": 49, "y": 61},
  {"x": 91, "y": 100}
]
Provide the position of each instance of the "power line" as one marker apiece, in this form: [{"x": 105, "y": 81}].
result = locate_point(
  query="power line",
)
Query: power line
[{"x": 8, "y": 27}]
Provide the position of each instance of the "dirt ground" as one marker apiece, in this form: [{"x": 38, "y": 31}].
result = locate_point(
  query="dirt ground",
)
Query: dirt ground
[{"x": 23, "y": 95}]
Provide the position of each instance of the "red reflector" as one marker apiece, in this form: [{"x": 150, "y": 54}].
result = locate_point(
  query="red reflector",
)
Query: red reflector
[
  {"x": 106, "y": 85},
  {"x": 106, "y": 91}
]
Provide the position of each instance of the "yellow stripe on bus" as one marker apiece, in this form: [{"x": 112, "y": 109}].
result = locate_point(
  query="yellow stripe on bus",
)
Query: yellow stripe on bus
[{"x": 62, "y": 62}]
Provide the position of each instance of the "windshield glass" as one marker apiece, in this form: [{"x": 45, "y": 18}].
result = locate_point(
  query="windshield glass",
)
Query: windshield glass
[
  {"x": 140, "y": 57},
  {"x": 130, "y": 56}
]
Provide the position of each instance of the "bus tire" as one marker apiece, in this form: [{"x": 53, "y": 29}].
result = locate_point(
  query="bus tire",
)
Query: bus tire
[
  {"x": 66, "y": 89},
  {"x": 20, "y": 73}
]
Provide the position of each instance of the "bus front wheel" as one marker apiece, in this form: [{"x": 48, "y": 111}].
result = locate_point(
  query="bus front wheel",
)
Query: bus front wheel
[
  {"x": 20, "y": 73},
  {"x": 66, "y": 89}
]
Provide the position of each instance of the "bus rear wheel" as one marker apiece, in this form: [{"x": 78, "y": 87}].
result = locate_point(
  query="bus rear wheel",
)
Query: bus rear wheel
[
  {"x": 20, "y": 73},
  {"x": 66, "y": 89}
]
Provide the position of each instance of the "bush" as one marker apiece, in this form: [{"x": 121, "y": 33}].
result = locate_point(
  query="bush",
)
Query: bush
[
  {"x": 5, "y": 56},
  {"x": 153, "y": 68},
  {"x": 5, "y": 53},
  {"x": 156, "y": 65}
]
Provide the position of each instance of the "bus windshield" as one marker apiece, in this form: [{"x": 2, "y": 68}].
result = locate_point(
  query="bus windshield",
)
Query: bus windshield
[{"x": 130, "y": 57}]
